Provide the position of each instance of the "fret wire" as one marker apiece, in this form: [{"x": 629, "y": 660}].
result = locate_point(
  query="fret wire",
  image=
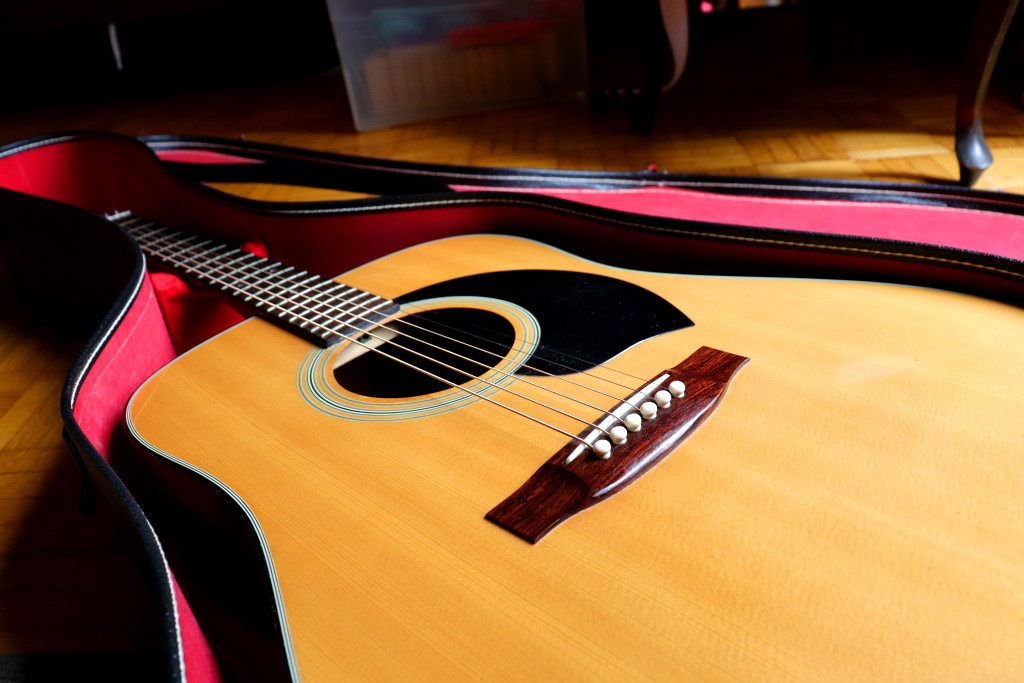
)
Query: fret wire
[
  {"x": 450, "y": 367},
  {"x": 344, "y": 304},
  {"x": 491, "y": 384},
  {"x": 300, "y": 294},
  {"x": 175, "y": 247},
  {"x": 186, "y": 240},
  {"x": 299, "y": 305},
  {"x": 289, "y": 310},
  {"x": 352, "y": 302},
  {"x": 254, "y": 278},
  {"x": 538, "y": 370},
  {"x": 161, "y": 251},
  {"x": 320, "y": 303},
  {"x": 175, "y": 259},
  {"x": 291, "y": 277},
  {"x": 231, "y": 253},
  {"x": 351, "y": 311},
  {"x": 246, "y": 278},
  {"x": 333, "y": 291},
  {"x": 164, "y": 244},
  {"x": 546, "y": 373},
  {"x": 190, "y": 252},
  {"x": 282, "y": 291},
  {"x": 467, "y": 389},
  {"x": 168, "y": 243}
]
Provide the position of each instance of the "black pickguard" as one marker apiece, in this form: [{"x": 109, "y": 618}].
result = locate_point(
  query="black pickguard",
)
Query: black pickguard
[{"x": 585, "y": 319}]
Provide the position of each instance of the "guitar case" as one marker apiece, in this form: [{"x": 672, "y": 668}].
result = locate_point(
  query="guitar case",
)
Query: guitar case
[{"x": 73, "y": 267}]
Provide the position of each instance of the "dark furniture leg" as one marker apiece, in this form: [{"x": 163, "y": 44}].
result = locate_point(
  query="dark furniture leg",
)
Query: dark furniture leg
[
  {"x": 990, "y": 25},
  {"x": 627, "y": 56}
]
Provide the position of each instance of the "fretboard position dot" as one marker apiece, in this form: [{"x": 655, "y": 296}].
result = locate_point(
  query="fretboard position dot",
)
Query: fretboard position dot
[
  {"x": 648, "y": 410},
  {"x": 602, "y": 448},
  {"x": 633, "y": 422},
  {"x": 662, "y": 398},
  {"x": 677, "y": 388},
  {"x": 618, "y": 434}
]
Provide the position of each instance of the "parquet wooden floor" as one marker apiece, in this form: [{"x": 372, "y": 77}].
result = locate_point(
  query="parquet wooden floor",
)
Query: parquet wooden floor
[
  {"x": 67, "y": 583},
  {"x": 876, "y": 118}
]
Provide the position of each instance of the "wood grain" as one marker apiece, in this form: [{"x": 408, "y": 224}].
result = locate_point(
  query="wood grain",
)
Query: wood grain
[
  {"x": 748, "y": 104},
  {"x": 850, "y": 512},
  {"x": 743, "y": 107},
  {"x": 573, "y": 480},
  {"x": 68, "y": 582}
]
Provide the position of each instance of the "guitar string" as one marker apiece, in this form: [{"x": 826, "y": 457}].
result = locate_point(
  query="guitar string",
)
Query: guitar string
[
  {"x": 421, "y": 370},
  {"x": 292, "y": 311},
  {"x": 316, "y": 297},
  {"x": 423, "y": 309},
  {"x": 237, "y": 264},
  {"x": 189, "y": 268},
  {"x": 415, "y": 307}
]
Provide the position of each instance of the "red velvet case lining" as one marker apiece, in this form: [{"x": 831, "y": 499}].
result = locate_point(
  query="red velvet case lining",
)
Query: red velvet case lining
[
  {"x": 983, "y": 231},
  {"x": 103, "y": 176}
]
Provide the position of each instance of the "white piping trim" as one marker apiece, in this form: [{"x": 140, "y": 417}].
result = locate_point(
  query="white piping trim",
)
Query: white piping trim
[
  {"x": 174, "y": 603},
  {"x": 36, "y": 144},
  {"x": 102, "y": 342},
  {"x": 636, "y": 182},
  {"x": 97, "y": 348},
  {"x": 699, "y": 234},
  {"x": 264, "y": 547}
]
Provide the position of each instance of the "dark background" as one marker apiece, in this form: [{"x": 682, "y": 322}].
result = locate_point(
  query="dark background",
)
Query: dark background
[{"x": 59, "y": 51}]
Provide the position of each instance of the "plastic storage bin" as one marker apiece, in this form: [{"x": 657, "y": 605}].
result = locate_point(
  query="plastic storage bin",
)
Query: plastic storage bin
[{"x": 419, "y": 60}]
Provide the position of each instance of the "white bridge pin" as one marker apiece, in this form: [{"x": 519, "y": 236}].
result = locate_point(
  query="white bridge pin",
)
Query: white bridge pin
[
  {"x": 632, "y": 422},
  {"x": 677, "y": 388},
  {"x": 602, "y": 448},
  {"x": 662, "y": 398},
  {"x": 617, "y": 434},
  {"x": 648, "y": 410}
]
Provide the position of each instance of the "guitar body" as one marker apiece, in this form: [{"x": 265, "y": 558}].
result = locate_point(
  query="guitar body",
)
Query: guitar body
[{"x": 851, "y": 509}]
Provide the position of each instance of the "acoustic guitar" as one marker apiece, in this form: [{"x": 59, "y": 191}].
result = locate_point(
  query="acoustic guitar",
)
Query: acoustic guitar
[{"x": 484, "y": 458}]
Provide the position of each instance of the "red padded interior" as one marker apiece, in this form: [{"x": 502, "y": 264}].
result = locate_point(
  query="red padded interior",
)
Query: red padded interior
[
  {"x": 168, "y": 317},
  {"x": 987, "y": 232}
]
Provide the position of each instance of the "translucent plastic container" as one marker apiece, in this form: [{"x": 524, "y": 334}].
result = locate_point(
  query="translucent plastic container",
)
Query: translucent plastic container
[{"x": 423, "y": 59}]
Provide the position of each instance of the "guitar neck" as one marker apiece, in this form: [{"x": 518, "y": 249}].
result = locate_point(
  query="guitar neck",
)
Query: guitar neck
[{"x": 310, "y": 306}]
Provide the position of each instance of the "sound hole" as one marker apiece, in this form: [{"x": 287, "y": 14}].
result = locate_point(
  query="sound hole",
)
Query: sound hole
[{"x": 453, "y": 344}]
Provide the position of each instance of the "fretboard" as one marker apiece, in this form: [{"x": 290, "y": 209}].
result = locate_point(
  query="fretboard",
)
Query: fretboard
[{"x": 308, "y": 305}]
